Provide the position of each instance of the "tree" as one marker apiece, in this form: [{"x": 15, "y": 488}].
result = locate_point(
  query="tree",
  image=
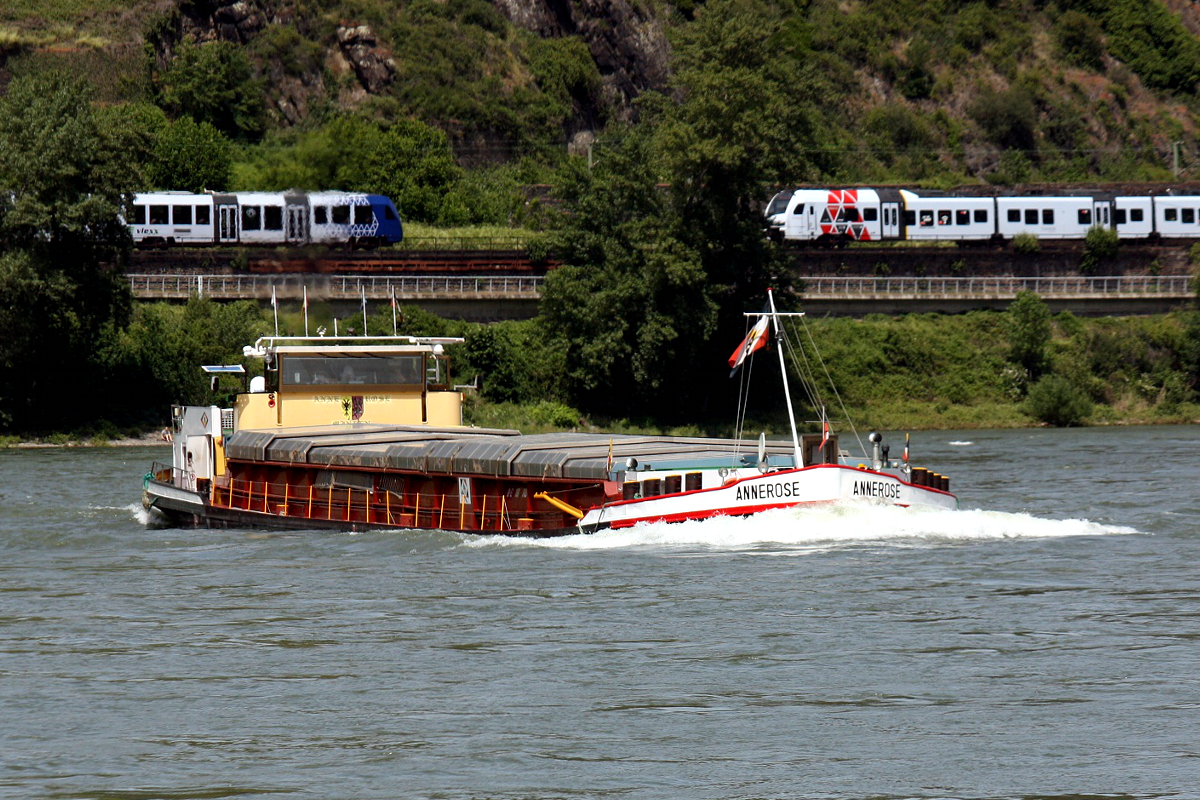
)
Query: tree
[
  {"x": 63, "y": 183},
  {"x": 191, "y": 157},
  {"x": 1028, "y": 332},
  {"x": 412, "y": 164},
  {"x": 214, "y": 83}
]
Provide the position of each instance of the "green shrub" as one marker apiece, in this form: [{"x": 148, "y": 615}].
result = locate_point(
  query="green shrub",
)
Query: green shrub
[
  {"x": 1100, "y": 246},
  {"x": 1081, "y": 40},
  {"x": 1026, "y": 244},
  {"x": 557, "y": 415},
  {"x": 1056, "y": 401}
]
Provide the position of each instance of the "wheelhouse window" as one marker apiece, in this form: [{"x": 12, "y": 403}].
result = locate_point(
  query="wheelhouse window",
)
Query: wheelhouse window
[
  {"x": 363, "y": 215},
  {"x": 182, "y": 215},
  {"x": 341, "y": 215},
  {"x": 251, "y": 218},
  {"x": 359, "y": 370},
  {"x": 273, "y": 218},
  {"x": 160, "y": 215},
  {"x": 202, "y": 215}
]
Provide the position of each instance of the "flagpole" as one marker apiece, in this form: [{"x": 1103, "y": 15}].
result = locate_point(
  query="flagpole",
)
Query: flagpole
[
  {"x": 395, "y": 331},
  {"x": 787, "y": 392},
  {"x": 275, "y": 305},
  {"x": 363, "y": 289},
  {"x": 306, "y": 311}
]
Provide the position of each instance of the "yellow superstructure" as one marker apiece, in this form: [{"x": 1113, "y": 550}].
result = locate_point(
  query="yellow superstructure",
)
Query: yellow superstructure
[{"x": 351, "y": 384}]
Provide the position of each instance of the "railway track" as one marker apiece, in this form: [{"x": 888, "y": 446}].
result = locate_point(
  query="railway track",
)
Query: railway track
[{"x": 283, "y": 261}]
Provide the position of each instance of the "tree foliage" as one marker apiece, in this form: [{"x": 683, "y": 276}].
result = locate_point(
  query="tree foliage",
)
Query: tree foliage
[
  {"x": 1028, "y": 332},
  {"x": 214, "y": 83},
  {"x": 64, "y": 178},
  {"x": 191, "y": 156}
]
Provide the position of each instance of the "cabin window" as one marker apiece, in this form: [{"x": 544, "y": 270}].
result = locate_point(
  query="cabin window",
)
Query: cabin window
[
  {"x": 910, "y": 218},
  {"x": 1189, "y": 216},
  {"x": 1047, "y": 216},
  {"x": 1085, "y": 216},
  {"x": 1118, "y": 216},
  {"x": 273, "y": 218},
  {"x": 341, "y": 215},
  {"x": 870, "y": 214},
  {"x": 962, "y": 217},
  {"x": 160, "y": 215},
  {"x": 1014, "y": 215},
  {"x": 1136, "y": 215},
  {"x": 364, "y": 370},
  {"x": 181, "y": 215},
  {"x": 202, "y": 217},
  {"x": 251, "y": 218},
  {"x": 320, "y": 215},
  {"x": 389, "y": 214},
  {"x": 387, "y": 211},
  {"x": 981, "y": 215},
  {"x": 363, "y": 215},
  {"x": 1170, "y": 214},
  {"x": 1031, "y": 216},
  {"x": 139, "y": 215},
  {"x": 926, "y": 218}
]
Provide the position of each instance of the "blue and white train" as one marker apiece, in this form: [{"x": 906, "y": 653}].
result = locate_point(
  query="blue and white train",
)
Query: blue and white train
[
  {"x": 264, "y": 218},
  {"x": 850, "y": 215}
]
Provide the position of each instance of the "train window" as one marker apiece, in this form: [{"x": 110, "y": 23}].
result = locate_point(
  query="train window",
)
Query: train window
[
  {"x": 1085, "y": 216},
  {"x": 363, "y": 215},
  {"x": 202, "y": 217},
  {"x": 962, "y": 217},
  {"x": 1047, "y": 216},
  {"x": 981, "y": 215},
  {"x": 139, "y": 215},
  {"x": 1014, "y": 215},
  {"x": 389, "y": 214},
  {"x": 1189, "y": 216},
  {"x": 1118, "y": 216},
  {"x": 341, "y": 215},
  {"x": 181, "y": 215},
  {"x": 870, "y": 214},
  {"x": 159, "y": 215},
  {"x": 943, "y": 217},
  {"x": 910, "y": 218},
  {"x": 926, "y": 218},
  {"x": 1136, "y": 215},
  {"x": 320, "y": 215},
  {"x": 1031, "y": 216},
  {"x": 251, "y": 218},
  {"x": 1169, "y": 214},
  {"x": 273, "y": 218},
  {"x": 799, "y": 209}
]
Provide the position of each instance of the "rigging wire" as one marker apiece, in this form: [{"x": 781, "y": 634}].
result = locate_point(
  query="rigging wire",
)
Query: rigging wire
[{"x": 833, "y": 386}]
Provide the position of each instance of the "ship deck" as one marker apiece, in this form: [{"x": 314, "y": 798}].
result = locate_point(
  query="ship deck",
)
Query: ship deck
[{"x": 491, "y": 452}]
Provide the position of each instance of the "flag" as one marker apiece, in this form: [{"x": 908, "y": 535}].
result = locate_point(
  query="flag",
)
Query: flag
[
  {"x": 363, "y": 289},
  {"x": 754, "y": 340},
  {"x": 825, "y": 435},
  {"x": 275, "y": 308}
]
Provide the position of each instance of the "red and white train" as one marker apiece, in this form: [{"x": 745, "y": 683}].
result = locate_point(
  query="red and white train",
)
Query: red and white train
[{"x": 867, "y": 215}]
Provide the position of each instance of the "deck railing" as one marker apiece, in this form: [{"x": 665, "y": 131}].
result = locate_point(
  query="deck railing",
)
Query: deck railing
[
  {"x": 1110, "y": 286},
  {"x": 375, "y": 507}
]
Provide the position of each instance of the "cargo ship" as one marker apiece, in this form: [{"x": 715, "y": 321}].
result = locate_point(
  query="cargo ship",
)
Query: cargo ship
[{"x": 355, "y": 433}]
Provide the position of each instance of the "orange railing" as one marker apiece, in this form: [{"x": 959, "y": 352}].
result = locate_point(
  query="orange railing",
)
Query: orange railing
[{"x": 367, "y": 506}]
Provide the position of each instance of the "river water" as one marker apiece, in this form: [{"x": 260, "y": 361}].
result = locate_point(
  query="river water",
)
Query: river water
[{"x": 1047, "y": 645}]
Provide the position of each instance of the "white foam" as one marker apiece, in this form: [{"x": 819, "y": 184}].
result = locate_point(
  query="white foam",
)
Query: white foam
[
  {"x": 960, "y": 444},
  {"x": 823, "y": 527}
]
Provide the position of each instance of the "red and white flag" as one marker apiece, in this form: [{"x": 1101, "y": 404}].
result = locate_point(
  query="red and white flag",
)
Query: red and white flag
[
  {"x": 755, "y": 339},
  {"x": 825, "y": 435}
]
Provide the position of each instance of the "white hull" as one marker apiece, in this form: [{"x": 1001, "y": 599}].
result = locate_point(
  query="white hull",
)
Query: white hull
[{"x": 825, "y": 483}]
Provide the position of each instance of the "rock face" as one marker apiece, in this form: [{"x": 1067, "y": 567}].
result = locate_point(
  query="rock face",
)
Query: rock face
[
  {"x": 207, "y": 20},
  {"x": 374, "y": 69},
  {"x": 628, "y": 43}
]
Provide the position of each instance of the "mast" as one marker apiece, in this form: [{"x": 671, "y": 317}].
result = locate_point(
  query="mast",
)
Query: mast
[{"x": 787, "y": 392}]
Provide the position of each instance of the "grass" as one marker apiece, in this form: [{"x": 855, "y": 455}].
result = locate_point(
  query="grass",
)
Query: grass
[{"x": 420, "y": 236}]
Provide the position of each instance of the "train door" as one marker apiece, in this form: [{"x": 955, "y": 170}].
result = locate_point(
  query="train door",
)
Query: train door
[
  {"x": 1102, "y": 214},
  {"x": 297, "y": 224},
  {"x": 891, "y": 221},
  {"x": 227, "y": 223}
]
